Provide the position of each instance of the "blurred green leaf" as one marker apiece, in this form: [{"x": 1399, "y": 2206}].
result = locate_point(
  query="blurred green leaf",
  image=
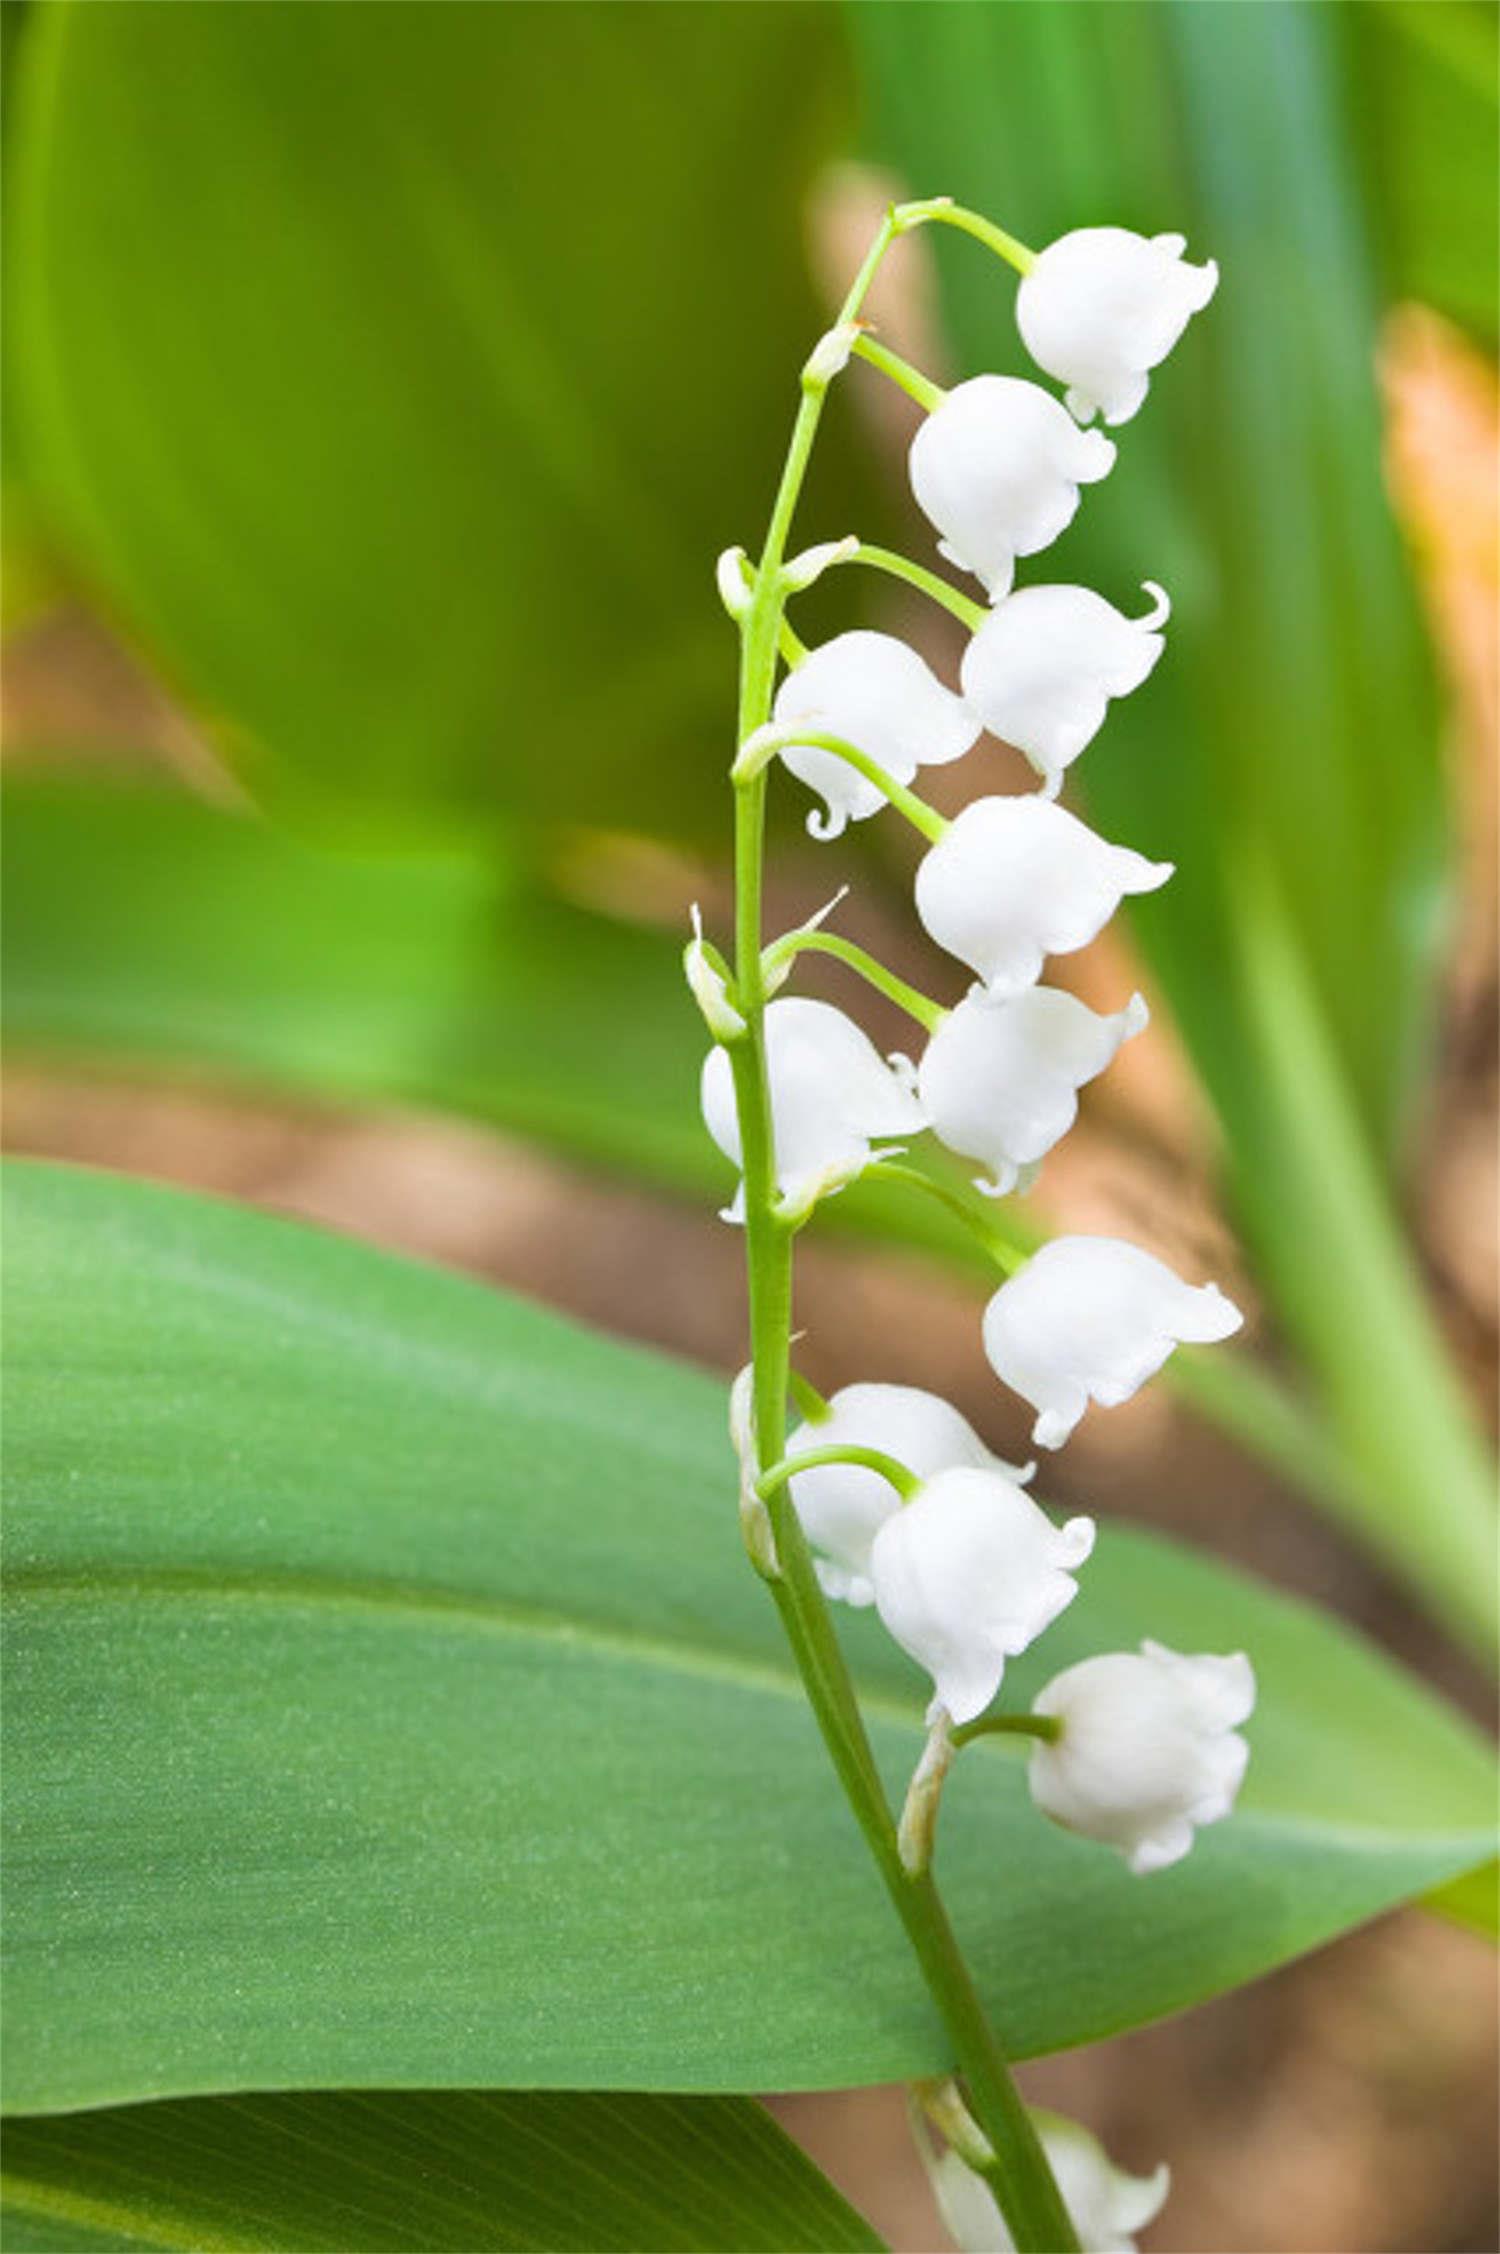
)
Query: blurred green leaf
[
  {"x": 1428, "y": 79},
  {"x": 398, "y": 375},
  {"x": 1285, "y": 755},
  {"x": 413, "y": 2170},
  {"x": 391, "y": 1703}
]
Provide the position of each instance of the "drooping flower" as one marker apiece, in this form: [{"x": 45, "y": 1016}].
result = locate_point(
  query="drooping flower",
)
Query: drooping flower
[
  {"x": 1042, "y": 668},
  {"x": 878, "y": 695},
  {"x": 999, "y": 1080},
  {"x": 1091, "y": 1318},
  {"x": 1102, "y": 306},
  {"x": 832, "y": 1095},
  {"x": 1148, "y": 1748},
  {"x": 1106, "y": 2206},
  {"x": 843, "y": 1506},
  {"x": 967, "y": 1574},
  {"x": 996, "y": 468},
  {"x": 1013, "y": 880}
]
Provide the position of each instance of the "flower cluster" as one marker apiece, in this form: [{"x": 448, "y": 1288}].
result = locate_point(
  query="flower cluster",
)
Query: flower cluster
[{"x": 902, "y": 1505}]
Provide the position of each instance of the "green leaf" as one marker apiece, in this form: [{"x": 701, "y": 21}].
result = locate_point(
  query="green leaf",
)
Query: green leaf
[
  {"x": 390, "y": 1704},
  {"x": 1428, "y": 77},
  {"x": 462, "y": 2169},
  {"x": 144, "y": 930},
  {"x": 398, "y": 377},
  {"x": 1286, "y": 754}
]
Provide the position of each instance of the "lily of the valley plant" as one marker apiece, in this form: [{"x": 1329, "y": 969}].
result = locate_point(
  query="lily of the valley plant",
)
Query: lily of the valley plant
[{"x": 885, "y": 1496}]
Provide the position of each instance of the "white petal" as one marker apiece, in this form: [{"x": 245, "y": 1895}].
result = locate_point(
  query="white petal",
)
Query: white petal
[
  {"x": 877, "y": 694},
  {"x": 996, "y": 469},
  {"x": 1013, "y": 880},
  {"x": 831, "y": 1096},
  {"x": 1101, "y": 307},
  {"x": 1041, "y": 669},
  {"x": 1148, "y": 1748},
  {"x": 1094, "y": 1317},
  {"x": 967, "y": 1574},
  {"x": 843, "y": 1506},
  {"x": 999, "y": 1079}
]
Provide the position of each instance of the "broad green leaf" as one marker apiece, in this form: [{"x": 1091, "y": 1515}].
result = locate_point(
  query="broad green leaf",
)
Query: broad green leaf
[
  {"x": 390, "y": 1704},
  {"x": 398, "y": 375},
  {"x": 1285, "y": 754},
  {"x": 458, "y": 2169},
  {"x": 145, "y": 930}
]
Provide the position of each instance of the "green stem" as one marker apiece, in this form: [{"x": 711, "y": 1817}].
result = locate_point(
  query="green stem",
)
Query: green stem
[
  {"x": 1028, "y": 2195},
  {"x": 1006, "y": 1254},
  {"x": 950, "y": 214},
  {"x": 964, "y": 607},
  {"x": 927, "y": 1013},
  {"x": 756, "y": 757},
  {"x": 815, "y": 1410},
  {"x": 911, "y": 380},
  {"x": 1046, "y": 1726},
  {"x": 905, "y": 1482}
]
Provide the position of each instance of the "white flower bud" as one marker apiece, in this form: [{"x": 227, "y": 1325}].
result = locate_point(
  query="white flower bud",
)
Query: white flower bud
[
  {"x": 997, "y": 469},
  {"x": 1093, "y": 1318},
  {"x": 843, "y": 1506},
  {"x": 967, "y": 1574},
  {"x": 1105, "y": 2205},
  {"x": 1148, "y": 1749},
  {"x": 878, "y": 695},
  {"x": 999, "y": 1080},
  {"x": 803, "y": 571},
  {"x": 707, "y": 986},
  {"x": 1013, "y": 880},
  {"x": 832, "y": 1094},
  {"x": 1042, "y": 668},
  {"x": 732, "y": 575},
  {"x": 1102, "y": 306}
]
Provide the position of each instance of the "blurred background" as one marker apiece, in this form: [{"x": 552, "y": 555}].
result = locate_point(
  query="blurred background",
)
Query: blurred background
[{"x": 381, "y": 384}]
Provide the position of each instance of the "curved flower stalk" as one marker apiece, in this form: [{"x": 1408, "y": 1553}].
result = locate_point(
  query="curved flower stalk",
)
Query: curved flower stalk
[{"x": 886, "y": 1495}]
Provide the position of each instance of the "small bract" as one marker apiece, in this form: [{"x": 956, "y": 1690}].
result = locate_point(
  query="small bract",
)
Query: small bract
[
  {"x": 1148, "y": 1748},
  {"x": 999, "y": 1080},
  {"x": 1106, "y": 2206},
  {"x": 1102, "y": 306},
  {"x": 1042, "y": 668},
  {"x": 1013, "y": 880},
  {"x": 878, "y": 695},
  {"x": 832, "y": 1095},
  {"x": 967, "y": 1574},
  {"x": 996, "y": 468},
  {"x": 843, "y": 1506},
  {"x": 1091, "y": 1318}
]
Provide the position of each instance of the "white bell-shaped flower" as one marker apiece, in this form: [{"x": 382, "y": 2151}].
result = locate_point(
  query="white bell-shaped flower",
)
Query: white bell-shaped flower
[
  {"x": 1102, "y": 306},
  {"x": 1013, "y": 880},
  {"x": 1091, "y": 1318},
  {"x": 832, "y": 1095},
  {"x": 878, "y": 695},
  {"x": 1042, "y": 668},
  {"x": 967, "y": 1574},
  {"x": 1105, "y": 2205},
  {"x": 999, "y": 1080},
  {"x": 1148, "y": 1748},
  {"x": 996, "y": 468},
  {"x": 843, "y": 1506}
]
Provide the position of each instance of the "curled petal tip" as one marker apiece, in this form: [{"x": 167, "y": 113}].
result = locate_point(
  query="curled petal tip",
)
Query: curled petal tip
[
  {"x": 1160, "y": 611},
  {"x": 826, "y": 826}
]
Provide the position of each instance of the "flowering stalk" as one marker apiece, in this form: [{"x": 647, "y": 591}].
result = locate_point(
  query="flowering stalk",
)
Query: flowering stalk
[
  {"x": 1032, "y": 2204},
  {"x": 885, "y": 1495}
]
